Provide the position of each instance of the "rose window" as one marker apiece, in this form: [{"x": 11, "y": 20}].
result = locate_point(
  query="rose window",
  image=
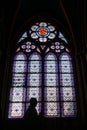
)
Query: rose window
[{"x": 42, "y": 32}]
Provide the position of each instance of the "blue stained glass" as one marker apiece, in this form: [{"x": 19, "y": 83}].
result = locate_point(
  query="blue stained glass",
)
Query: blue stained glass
[
  {"x": 18, "y": 79},
  {"x": 51, "y": 79},
  {"x": 52, "y": 109},
  {"x": 65, "y": 67},
  {"x": 19, "y": 66},
  {"x": 56, "y": 93},
  {"x": 50, "y": 56},
  {"x": 24, "y": 35},
  {"x": 34, "y": 80},
  {"x": 34, "y": 66},
  {"x": 34, "y": 92},
  {"x": 35, "y": 56},
  {"x": 66, "y": 79},
  {"x": 51, "y": 94},
  {"x": 20, "y": 56},
  {"x": 69, "y": 109},
  {"x": 65, "y": 56},
  {"x": 62, "y": 37},
  {"x": 68, "y": 94},
  {"x": 17, "y": 94},
  {"x": 16, "y": 110},
  {"x": 50, "y": 66}
]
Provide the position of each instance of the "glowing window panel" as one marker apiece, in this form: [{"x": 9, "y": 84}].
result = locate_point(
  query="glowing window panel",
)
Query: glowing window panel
[
  {"x": 62, "y": 37},
  {"x": 34, "y": 80},
  {"x": 65, "y": 56},
  {"x": 18, "y": 79},
  {"x": 19, "y": 66},
  {"x": 51, "y": 94},
  {"x": 24, "y": 35},
  {"x": 51, "y": 79},
  {"x": 68, "y": 94},
  {"x": 42, "y": 32},
  {"x": 17, "y": 94},
  {"x": 34, "y": 66},
  {"x": 16, "y": 110},
  {"x": 66, "y": 79},
  {"x": 68, "y": 109},
  {"x": 50, "y": 56},
  {"x": 65, "y": 67},
  {"x": 28, "y": 46},
  {"x": 51, "y": 28},
  {"x": 34, "y": 92},
  {"x": 43, "y": 39},
  {"x": 51, "y": 36},
  {"x": 20, "y": 56},
  {"x": 35, "y": 56},
  {"x": 50, "y": 66},
  {"x": 52, "y": 109}
]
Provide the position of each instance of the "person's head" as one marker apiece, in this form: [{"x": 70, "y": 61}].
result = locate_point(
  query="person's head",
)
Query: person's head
[{"x": 33, "y": 102}]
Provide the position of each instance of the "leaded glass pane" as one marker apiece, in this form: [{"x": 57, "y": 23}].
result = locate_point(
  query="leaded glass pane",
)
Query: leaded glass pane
[
  {"x": 34, "y": 80},
  {"x": 19, "y": 66},
  {"x": 66, "y": 80},
  {"x": 50, "y": 56},
  {"x": 20, "y": 56},
  {"x": 50, "y": 66},
  {"x": 16, "y": 110},
  {"x": 62, "y": 37},
  {"x": 67, "y": 94},
  {"x": 23, "y": 36},
  {"x": 65, "y": 67},
  {"x": 34, "y": 66},
  {"x": 34, "y": 92},
  {"x": 68, "y": 109},
  {"x": 17, "y": 94},
  {"x": 51, "y": 79},
  {"x": 52, "y": 109},
  {"x": 65, "y": 56},
  {"x": 51, "y": 94},
  {"x": 18, "y": 79},
  {"x": 35, "y": 56}
]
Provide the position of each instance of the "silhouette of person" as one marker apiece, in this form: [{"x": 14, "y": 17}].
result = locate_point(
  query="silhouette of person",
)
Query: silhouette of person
[{"x": 31, "y": 113}]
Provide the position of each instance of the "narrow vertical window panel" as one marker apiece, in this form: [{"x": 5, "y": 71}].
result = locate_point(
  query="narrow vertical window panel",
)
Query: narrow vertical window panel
[
  {"x": 34, "y": 70},
  {"x": 51, "y": 82},
  {"x": 67, "y": 86},
  {"x": 17, "y": 91},
  {"x": 34, "y": 79}
]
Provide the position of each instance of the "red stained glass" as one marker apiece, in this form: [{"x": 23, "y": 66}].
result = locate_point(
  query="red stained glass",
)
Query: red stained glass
[{"x": 42, "y": 31}]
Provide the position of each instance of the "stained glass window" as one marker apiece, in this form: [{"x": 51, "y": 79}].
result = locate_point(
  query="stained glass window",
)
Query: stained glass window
[{"x": 43, "y": 68}]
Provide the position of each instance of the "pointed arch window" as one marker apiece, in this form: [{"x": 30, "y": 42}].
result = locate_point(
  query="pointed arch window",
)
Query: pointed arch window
[{"x": 43, "y": 68}]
